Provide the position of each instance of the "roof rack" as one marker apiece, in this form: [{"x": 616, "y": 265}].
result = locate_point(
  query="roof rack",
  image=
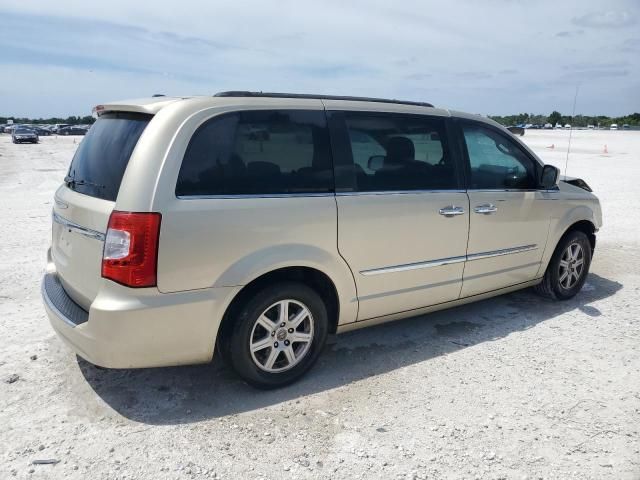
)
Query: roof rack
[{"x": 240, "y": 93}]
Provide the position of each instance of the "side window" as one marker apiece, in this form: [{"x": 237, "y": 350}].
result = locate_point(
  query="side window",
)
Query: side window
[
  {"x": 258, "y": 152},
  {"x": 496, "y": 162},
  {"x": 399, "y": 152}
]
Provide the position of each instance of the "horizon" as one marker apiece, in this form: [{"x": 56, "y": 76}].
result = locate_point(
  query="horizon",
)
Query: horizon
[
  {"x": 497, "y": 58},
  {"x": 569, "y": 115}
]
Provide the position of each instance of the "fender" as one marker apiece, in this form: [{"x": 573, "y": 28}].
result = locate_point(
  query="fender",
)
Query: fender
[
  {"x": 560, "y": 225},
  {"x": 266, "y": 260}
]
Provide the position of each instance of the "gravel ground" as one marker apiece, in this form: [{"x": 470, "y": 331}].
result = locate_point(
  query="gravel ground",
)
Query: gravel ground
[{"x": 512, "y": 387}]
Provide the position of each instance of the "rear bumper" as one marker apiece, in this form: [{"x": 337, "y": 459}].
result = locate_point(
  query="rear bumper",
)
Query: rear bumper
[{"x": 136, "y": 328}]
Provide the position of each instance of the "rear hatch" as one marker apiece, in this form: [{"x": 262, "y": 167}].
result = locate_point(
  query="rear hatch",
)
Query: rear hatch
[{"x": 84, "y": 203}]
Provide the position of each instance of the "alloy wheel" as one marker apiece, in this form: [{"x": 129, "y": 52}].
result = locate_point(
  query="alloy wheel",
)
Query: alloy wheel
[
  {"x": 571, "y": 266},
  {"x": 281, "y": 336}
]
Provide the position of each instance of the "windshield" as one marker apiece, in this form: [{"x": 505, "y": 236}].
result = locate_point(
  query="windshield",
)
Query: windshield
[
  {"x": 99, "y": 164},
  {"x": 23, "y": 130}
]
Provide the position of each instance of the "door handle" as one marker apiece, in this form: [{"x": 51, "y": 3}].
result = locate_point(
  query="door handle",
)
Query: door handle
[
  {"x": 486, "y": 209},
  {"x": 451, "y": 211}
]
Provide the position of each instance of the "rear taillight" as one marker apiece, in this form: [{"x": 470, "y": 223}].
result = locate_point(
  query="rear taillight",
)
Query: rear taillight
[{"x": 131, "y": 249}]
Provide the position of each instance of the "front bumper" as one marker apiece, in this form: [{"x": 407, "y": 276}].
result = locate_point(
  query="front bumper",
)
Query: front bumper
[{"x": 137, "y": 328}]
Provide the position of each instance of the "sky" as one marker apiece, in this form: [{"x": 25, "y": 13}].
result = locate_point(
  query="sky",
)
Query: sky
[{"x": 493, "y": 57}]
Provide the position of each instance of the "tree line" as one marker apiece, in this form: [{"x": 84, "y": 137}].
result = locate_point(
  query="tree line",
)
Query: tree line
[
  {"x": 73, "y": 120},
  {"x": 558, "y": 118},
  {"x": 554, "y": 118}
]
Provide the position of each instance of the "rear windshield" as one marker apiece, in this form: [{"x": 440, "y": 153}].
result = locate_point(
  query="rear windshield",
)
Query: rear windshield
[{"x": 98, "y": 166}]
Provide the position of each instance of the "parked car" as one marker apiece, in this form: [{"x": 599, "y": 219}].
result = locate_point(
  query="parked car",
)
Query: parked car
[
  {"x": 23, "y": 134},
  {"x": 42, "y": 132},
  {"x": 548, "y": 126},
  {"x": 626, "y": 127},
  {"x": 567, "y": 126},
  {"x": 72, "y": 130},
  {"x": 9, "y": 128},
  {"x": 614, "y": 126},
  {"x": 180, "y": 232},
  {"x": 56, "y": 128}
]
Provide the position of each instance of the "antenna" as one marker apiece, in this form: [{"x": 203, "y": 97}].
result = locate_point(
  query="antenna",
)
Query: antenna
[{"x": 573, "y": 114}]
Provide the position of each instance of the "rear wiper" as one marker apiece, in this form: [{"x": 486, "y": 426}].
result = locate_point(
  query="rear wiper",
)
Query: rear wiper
[{"x": 72, "y": 182}]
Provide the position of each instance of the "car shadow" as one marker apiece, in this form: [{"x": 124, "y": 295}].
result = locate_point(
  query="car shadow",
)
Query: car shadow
[{"x": 187, "y": 394}]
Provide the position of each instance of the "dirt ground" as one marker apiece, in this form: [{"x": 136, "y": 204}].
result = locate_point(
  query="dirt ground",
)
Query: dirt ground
[{"x": 512, "y": 387}]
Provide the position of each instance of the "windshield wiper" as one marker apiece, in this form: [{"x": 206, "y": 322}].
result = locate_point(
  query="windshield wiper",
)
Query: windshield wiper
[{"x": 72, "y": 182}]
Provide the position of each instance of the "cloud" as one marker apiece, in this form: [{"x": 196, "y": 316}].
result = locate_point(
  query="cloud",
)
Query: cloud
[
  {"x": 596, "y": 65},
  {"x": 473, "y": 75},
  {"x": 608, "y": 19},
  {"x": 499, "y": 57},
  {"x": 631, "y": 45},
  {"x": 570, "y": 33}
]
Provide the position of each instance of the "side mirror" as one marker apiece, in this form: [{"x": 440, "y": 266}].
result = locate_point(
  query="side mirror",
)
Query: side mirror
[
  {"x": 376, "y": 162},
  {"x": 549, "y": 177}
]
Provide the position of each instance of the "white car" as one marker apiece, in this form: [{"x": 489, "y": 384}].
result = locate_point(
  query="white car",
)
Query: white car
[{"x": 613, "y": 126}]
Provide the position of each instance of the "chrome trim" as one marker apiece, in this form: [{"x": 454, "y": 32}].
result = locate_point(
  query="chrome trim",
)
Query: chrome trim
[
  {"x": 55, "y": 310},
  {"x": 506, "y": 190},
  {"x": 451, "y": 211},
  {"x": 486, "y": 209},
  {"x": 74, "y": 227},
  {"x": 258, "y": 195},
  {"x": 414, "y": 266},
  {"x": 324, "y": 194},
  {"x": 504, "y": 251},
  {"x": 395, "y": 192},
  {"x": 448, "y": 261}
]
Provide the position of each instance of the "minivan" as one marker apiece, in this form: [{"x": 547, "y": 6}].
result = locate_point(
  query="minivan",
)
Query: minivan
[{"x": 255, "y": 225}]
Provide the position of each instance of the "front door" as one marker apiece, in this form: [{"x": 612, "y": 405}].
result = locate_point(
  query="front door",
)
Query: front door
[
  {"x": 509, "y": 217},
  {"x": 402, "y": 215}
]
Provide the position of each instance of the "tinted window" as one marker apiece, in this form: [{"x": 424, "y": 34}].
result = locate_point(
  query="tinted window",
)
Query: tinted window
[
  {"x": 98, "y": 166},
  {"x": 399, "y": 152},
  {"x": 258, "y": 152},
  {"x": 496, "y": 162}
]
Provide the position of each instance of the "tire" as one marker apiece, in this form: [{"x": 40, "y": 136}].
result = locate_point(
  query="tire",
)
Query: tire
[
  {"x": 555, "y": 284},
  {"x": 280, "y": 355}
]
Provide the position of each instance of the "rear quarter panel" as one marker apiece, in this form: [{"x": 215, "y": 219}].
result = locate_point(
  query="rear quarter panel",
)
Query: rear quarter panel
[{"x": 224, "y": 242}]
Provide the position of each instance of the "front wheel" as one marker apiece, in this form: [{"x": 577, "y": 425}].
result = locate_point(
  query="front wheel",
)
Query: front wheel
[
  {"x": 568, "y": 268},
  {"x": 277, "y": 335}
]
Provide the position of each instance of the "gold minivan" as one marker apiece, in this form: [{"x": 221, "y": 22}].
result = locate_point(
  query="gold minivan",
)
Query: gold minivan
[{"x": 257, "y": 224}]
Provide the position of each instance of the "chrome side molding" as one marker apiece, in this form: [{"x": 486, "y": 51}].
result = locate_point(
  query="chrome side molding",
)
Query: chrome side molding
[
  {"x": 448, "y": 261},
  {"x": 74, "y": 227},
  {"x": 505, "y": 251},
  {"x": 414, "y": 266}
]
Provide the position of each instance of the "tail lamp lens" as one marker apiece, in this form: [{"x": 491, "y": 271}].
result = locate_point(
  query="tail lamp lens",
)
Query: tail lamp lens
[{"x": 131, "y": 248}]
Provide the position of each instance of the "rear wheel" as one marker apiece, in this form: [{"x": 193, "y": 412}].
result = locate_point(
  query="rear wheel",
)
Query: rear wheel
[
  {"x": 277, "y": 335},
  {"x": 568, "y": 268}
]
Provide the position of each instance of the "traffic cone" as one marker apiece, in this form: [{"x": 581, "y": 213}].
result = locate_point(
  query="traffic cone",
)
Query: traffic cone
[{"x": 605, "y": 149}]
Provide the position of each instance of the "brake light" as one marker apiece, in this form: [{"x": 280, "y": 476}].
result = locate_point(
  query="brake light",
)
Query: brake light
[{"x": 130, "y": 254}]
